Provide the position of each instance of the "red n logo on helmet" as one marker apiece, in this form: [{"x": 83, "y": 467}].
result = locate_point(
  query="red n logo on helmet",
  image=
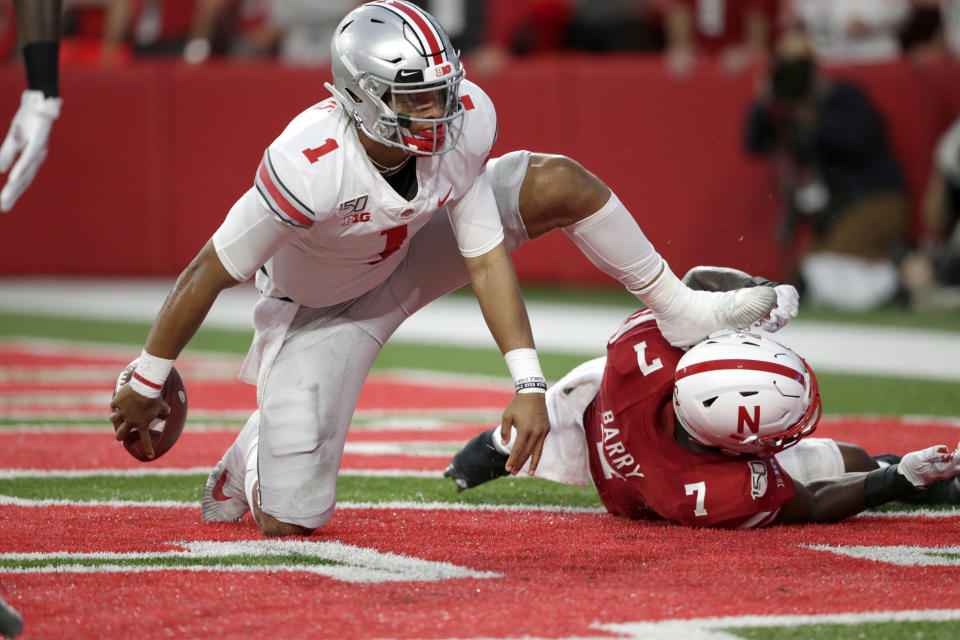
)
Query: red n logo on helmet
[{"x": 753, "y": 423}]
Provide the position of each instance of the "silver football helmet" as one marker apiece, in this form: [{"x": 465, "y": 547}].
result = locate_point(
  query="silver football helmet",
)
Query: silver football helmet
[
  {"x": 745, "y": 393},
  {"x": 397, "y": 75}
]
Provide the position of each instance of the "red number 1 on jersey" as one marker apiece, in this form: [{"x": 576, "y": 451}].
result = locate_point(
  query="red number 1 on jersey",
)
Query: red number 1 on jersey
[
  {"x": 395, "y": 238},
  {"x": 314, "y": 154}
]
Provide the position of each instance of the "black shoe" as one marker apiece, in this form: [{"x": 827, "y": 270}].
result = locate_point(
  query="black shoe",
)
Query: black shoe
[
  {"x": 10, "y": 621},
  {"x": 478, "y": 462},
  {"x": 889, "y": 458}
]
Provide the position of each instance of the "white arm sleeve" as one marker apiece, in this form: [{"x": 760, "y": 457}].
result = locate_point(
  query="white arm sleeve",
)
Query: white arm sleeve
[
  {"x": 476, "y": 220},
  {"x": 249, "y": 236}
]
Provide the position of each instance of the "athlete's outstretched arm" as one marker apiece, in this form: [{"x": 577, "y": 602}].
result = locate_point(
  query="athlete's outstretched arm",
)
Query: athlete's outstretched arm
[
  {"x": 494, "y": 283},
  {"x": 178, "y": 319},
  {"x": 838, "y": 498}
]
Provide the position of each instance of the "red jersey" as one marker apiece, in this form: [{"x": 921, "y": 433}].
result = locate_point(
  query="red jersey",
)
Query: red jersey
[{"x": 640, "y": 471}]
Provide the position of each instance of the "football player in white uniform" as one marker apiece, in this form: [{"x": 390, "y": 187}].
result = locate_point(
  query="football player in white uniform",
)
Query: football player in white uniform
[{"x": 368, "y": 206}]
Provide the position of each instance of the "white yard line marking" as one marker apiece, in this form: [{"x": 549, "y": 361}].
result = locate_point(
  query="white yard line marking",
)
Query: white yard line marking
[
  {"x": 16, "y": 474},
  {"x": 352, "y": 564},
  {"x": 902, "y": 555},
  {"x": 394, "y": 505},
  {"x": 711, "y": 628}
]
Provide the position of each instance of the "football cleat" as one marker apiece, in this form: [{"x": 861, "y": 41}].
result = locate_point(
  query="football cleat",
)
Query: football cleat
[
  {"x": 743, "y": 307},
  {"x": 705, "y": 312},
  {"x": 216, "y": 505},
  {"x": 11, "y": 623},
  {"x": 478, "y": 462},
  {"x": 887, "y": 458}
]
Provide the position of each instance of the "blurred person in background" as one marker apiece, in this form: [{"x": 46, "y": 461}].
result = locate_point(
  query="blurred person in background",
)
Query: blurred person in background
[
  {"x": 950, "y": 24},
  {"x": 932, "y": 33},
  {"x": 615, "y": 25},
  {"x": 738, "y": 31},
  {"x": 305, "y": 28},
  {"x": 464, "y": 20},
  {"x": 837, "y": 174},
  {"x": 510, "y": 28},
  {"x": 38, "y": 28},
  {"x": 849, "y": 31},
  {"x": 932, "y": 273}
]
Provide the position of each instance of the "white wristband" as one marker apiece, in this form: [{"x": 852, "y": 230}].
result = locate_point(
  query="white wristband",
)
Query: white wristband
[
  {"x": 151, "y": 372},
  {"x": 525, "y": 370}
]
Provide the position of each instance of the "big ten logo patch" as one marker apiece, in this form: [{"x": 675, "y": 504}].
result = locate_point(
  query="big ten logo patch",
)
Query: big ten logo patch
[
  {"x": 758, "y": 478},
  {"x": 354, "y": 211}
]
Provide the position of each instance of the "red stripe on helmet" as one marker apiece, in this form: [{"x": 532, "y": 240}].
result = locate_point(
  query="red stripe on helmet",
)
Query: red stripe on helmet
[
  {"x": 423, "y": 25},
  {"x": 752, "y": 365}
]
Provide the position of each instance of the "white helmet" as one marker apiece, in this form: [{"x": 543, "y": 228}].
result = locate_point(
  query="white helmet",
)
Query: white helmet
[
  {"x": 391, "y": 60},
  {"x": 745, "y": 393}
]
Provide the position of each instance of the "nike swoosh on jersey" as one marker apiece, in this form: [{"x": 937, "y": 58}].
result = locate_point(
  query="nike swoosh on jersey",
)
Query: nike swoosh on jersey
[{"x": 444, "y": 198}]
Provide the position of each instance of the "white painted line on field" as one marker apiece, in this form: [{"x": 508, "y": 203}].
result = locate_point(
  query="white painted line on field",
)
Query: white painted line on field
[
  {"x": 903, "y": 555},
  {"x": 351, "y": 563},
  {"x": 924, "y": 512},
  {"x": 712, "y": 628},
  {"x": 412, "y": 448},
  {"x": 16, "y": 474},
  {"x": 50, "y": 502},
  {"x": 414, "y": 506}
]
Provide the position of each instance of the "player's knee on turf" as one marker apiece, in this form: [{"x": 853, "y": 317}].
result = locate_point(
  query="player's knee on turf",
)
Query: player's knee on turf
[
  {"x": 856, "y": 458},
  {"x": 273, "y": 528},
  {"x": 558, "y": 191}
]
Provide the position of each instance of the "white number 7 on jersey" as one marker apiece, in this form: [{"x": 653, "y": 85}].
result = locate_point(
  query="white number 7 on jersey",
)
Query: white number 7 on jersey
[{"x": 700, "y": 488}]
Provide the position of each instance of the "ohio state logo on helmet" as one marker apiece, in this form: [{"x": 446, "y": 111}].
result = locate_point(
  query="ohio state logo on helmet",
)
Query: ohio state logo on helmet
[{"x": 745, "y": 393}]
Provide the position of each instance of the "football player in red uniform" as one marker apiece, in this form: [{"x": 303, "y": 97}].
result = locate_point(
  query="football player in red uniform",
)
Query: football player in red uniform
[{"x": 713, "y": 436}]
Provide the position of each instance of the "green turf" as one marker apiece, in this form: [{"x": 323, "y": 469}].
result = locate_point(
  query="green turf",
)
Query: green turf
[
  {"x": 350, "y": 488},
  {"x": 111, "y": 332},
  {"x": 842, "y": 393},
  {"x": 891, "y": 315},
  {"x": 189, "y": 488},
  {"x": 286, "y": 561},
  {"x": 926, "y": 630},
  {"x": 879, "y": 395}
]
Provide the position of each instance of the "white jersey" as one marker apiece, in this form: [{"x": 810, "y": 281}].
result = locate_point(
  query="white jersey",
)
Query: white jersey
[{"x": 322, "y": 226}]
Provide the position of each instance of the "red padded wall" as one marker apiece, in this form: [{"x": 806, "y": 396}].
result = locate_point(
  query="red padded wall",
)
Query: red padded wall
[{"x": 147, "y": 159}]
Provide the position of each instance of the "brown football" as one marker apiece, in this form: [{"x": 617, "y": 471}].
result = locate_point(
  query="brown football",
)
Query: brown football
[{"x": 163, "y": 432}]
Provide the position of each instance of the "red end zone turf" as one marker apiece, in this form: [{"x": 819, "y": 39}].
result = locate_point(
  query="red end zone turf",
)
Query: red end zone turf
[
  {"x": 60, "y": 450},
  {"x": 558, "y": 575},
  {"x": 548, "y": 574}
]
